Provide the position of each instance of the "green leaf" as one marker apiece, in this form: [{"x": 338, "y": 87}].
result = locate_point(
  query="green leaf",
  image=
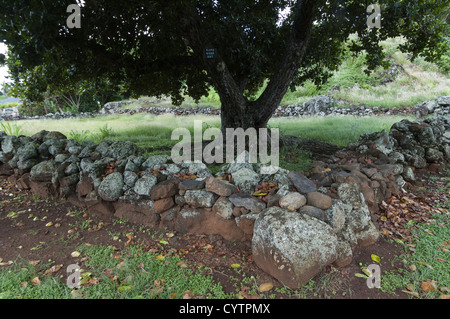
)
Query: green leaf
[
  {"x": 361, "y": 275},
  {"x": 375, "y": 258}
]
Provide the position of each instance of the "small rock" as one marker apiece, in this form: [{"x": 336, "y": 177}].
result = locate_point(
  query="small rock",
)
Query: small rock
[
  {"x": 219, "y": 187},
  {"x": 314, "y": 212},
  {"x": 200, "y": 198},
  {"x": 223, "y": 207},
  {"x": 191, "y": 184},
  {"x": 247, "y": 201},
  {"x": 301, "y": 183},
  {"x": 292, "y": 201},
  {"x": 319, "y": 200}
]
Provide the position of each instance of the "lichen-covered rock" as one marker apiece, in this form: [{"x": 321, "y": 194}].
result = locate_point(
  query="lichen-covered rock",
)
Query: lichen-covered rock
[
  {"x": 292, "y": 247},
  {"x": 246, "y": 179},
  {"x": 251, "y": 203},
  {"x": 111, "y": 188},
  {"x": 144, "y": 185},
  {"x": 200, "y": 198},
  {"x": 43, "y": 171}
]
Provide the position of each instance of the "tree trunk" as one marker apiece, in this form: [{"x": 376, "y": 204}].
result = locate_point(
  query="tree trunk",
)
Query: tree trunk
[{"x": 236, "y": 110}]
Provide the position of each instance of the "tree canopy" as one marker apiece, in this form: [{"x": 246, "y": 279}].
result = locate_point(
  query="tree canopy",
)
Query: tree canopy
[{"x": 157, "y": 47}]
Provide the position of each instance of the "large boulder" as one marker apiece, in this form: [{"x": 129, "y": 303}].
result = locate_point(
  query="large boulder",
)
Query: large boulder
[{"x": 292, "y": 247}]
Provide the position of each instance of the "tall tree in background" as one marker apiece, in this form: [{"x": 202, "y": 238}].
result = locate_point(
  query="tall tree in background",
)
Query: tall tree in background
[{"x": 183, "y": 47}]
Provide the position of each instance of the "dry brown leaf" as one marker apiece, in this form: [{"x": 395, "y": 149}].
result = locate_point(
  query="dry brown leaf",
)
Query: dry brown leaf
[
  {"x": 265, "y": 287},
  {"x": 429, "y": 285},
  {"x": 53, "y": 269},
  {"x": 35, "y": 281},
  {"x": 34, "y": 262}
]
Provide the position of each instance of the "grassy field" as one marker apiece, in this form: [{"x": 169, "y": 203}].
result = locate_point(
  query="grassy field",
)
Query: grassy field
[{"x": 148, "y": 130}]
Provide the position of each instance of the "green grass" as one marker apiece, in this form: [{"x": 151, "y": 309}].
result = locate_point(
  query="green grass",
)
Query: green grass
[
  {"x": 151, "y": 131},
  {"x": 339, "y": 130},
  {"x": 131, "y": 274},
  {"x": 425, "y": 261}
]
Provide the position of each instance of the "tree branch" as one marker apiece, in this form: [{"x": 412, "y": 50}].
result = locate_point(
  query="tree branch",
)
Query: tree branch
[{"x": 304, "y": 12}]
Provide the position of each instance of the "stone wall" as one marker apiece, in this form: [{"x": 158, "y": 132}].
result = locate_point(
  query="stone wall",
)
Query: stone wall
[
  {"x": 320, "y": 105},
  {"x": 297, "y": 223}
]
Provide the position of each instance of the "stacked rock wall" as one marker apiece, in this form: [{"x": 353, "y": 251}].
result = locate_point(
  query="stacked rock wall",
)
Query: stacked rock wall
[{"x": 298, "y": 224}]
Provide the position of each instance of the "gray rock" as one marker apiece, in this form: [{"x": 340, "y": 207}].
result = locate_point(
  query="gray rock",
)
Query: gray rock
[
  {"x": 247, "y": 201},
  {"x": 26, "y": 165},
  {"x": 292, "y": 201},
  {"x": 156, "y": 160},
  {"x": 191, "y": 184},
  {"x": 200, "y": 198},
  {"x": 301, "y": 183},
  {"x": 246, "y": 179},
  {"x": 27, "y": 151},
  {"x": 130, "y": 178},
  {"x": 144, "y": 185},
  {"x": 223, "y": 207},
  {"x": 111, "y": 188},
  {"x": 318, "y": 105},
  {"x": 292, "y": 247},
  {"x": 314, "y": 212},
  {"x": 55, "y": 146},
  {"x": 10, "y": 144},
  {"x": 219, "y": 187},
  {"x": 443, "y": 100},
  {"x": 72, "y": 168},
  {"x": 358, "y": 229},
  {"x": 117, "y": 149},
  {"x": 43, "y": 171}
]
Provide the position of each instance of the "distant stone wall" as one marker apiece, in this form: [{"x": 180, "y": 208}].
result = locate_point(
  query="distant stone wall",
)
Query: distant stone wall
[
  {"x": 321, "y": 105},
  {"x": 298, "y": 222}
]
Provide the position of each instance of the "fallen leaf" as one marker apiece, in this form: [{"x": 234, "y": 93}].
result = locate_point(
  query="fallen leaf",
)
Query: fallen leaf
[
  {"x": 428, "y": 285},
  {"x": 53, "y": 269},
  {"x": 360, "y": 275},
  {"x": 49, "y": 224},
  {"x": 445, "y": 296},
  {"x": 75, "y": 254},
  {"x": 159, "y": 257},
  {"x": 375, "y": 258},
  {"x": 35, "y": 281},
  {"x": 265, "y": 287},
  {"x": 188, "y": 294},
  {"x": 24, "y": 284},
  {"x": 235, "y": 265}
]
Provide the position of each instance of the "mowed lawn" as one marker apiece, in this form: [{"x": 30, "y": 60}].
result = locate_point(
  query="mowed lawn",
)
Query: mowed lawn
[{"x": 148, "y": 130}]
